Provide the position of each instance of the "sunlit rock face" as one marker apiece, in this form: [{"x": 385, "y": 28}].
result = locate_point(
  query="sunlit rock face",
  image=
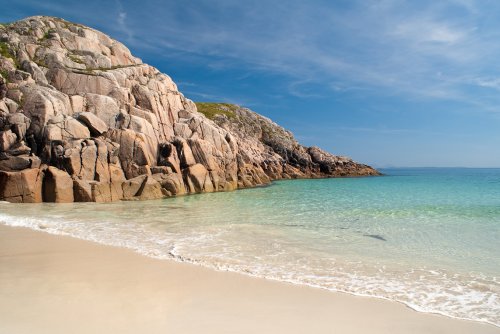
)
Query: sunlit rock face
[{"x": 82, "y": 119}]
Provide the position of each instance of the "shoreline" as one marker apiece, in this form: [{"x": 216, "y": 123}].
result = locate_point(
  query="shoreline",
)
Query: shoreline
[{"x": 49, "y": 283}]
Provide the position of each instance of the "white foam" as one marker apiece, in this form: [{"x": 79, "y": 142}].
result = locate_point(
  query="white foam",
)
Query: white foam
[{"x": 430, "y": 291}]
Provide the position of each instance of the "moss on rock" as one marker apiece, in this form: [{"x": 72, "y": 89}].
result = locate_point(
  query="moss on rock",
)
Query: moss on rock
[{"x": 211, "y": 109}]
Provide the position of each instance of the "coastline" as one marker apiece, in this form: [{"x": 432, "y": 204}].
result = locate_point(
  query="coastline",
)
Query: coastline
[{"x": 51, "y": 283}]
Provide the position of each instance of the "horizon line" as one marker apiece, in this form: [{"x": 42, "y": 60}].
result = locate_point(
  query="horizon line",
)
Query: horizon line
[{"x": 429, "y": 167}]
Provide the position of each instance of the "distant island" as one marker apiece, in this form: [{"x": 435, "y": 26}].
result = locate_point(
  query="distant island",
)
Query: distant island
[{"x": 81, "y": 119}]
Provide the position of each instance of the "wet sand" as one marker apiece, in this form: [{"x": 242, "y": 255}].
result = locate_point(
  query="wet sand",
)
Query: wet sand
[{"x": 57, "y": 284}]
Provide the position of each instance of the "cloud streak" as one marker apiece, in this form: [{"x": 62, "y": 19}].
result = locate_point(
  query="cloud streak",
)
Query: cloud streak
[
  {"x": 388, "y": 47},
  {"x": 352, "y": 46},
  {"x": 122, "y": 22}
]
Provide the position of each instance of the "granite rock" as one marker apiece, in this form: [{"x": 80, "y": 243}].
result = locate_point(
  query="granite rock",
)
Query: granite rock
[{"x": 110, "y": 127}]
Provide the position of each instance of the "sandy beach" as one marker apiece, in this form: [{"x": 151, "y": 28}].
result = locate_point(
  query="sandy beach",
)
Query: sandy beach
[{"x": 56, "y": 284}]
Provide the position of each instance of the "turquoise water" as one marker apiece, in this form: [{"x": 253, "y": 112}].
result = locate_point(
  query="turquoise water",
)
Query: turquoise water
[{"x": 428, "y": 238}]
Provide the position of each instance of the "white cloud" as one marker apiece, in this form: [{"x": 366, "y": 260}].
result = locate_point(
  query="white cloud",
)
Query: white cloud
[
  {"x": 488, "y": 82},
  {"x": 427, "y": 31},
  {"x": 122, "y": 22},
  {"x": 121, "y": 18},
  {"x": 390, "y": 47}
]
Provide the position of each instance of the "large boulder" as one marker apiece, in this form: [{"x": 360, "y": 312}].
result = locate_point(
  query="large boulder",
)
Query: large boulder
[
  {"x": 41, "y": 103},
  {"x": 82, "y": 191},
  {"x": 21, "y": 187},
  {"x": 7, "y": 140},
  {"x": 65, "y": 128},
  {"x": 116, "y": 177},
  {"x": 172, "y": 184},
  {"x": 132, "y": 187},
  {"x": 35, "y": 71},
  {"x": 73, "y": 129},
  {"x": 184, "y": 152},
  {"x": 135, "y": 153},
  {"x": 142, "y": 187},
  {"x": 19, "y": 124},
  {"x": 88, "y": 158},
  {"x": 96, "y": 125},
  {"x": 150, "y": 190},
  {"x": 106, "y": 191},
  {"x": 57, "y": 186},
  {"x": 104, "y": 107},
  {"x": 101, "y": 192},
  {"x": 198, "y": 179},
  {"x": 19, "y": 162}
]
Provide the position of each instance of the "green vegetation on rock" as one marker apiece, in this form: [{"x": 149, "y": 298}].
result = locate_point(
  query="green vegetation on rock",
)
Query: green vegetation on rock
[
  {"x": 6, "y": 53},
  {"x": 211, "y": 109},
  {"x": 4, "y": 74},
  {"x": 75, "y": 59},
  {"x": 4, "y": 50},
  {"x": 47, "y": 35},
  {"x": 44, "y": 37}
]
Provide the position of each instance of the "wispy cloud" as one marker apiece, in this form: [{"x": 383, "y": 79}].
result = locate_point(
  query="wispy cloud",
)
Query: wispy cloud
[
  {"x": 351, "y": 46},
  {"x": 489, "y": 82},
  {"x": 122, "y": 22},
  {"x": 186, "y": 84},
  {"x": 389, "y": 131},
  {"x": 428, "y": 31},
  {"x": 385, "y": 47},
  {"x": 301, "y": 89}
]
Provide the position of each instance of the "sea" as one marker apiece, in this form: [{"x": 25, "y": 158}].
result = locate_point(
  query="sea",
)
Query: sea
[{"x": 425, "y": 237}]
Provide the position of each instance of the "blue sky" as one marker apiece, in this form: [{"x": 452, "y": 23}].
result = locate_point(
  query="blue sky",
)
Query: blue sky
[{"x": 388, "y": 82}]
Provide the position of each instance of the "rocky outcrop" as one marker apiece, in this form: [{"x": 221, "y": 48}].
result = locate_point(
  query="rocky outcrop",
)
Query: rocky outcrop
[
  {"x": 21, "y": 187},
  {"x": 274, "y": 149},
  {"x": 57, "y": 186},
  {"x": 81, "y": 119}
]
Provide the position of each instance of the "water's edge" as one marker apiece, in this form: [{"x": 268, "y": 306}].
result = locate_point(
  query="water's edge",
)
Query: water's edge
[{"x": 180, "y": 259}]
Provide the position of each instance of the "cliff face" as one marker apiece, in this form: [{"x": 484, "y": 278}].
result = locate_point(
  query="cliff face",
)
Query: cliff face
[{"x": 81, "y": 119}]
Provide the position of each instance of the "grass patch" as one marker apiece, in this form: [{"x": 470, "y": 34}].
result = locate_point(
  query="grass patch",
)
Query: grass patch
[
  {"x": 75, "y": 59},
  {"x": 46, "y": 36},
  {"x": 211, "y": 109},
  {"x": 40, "y": 62},
  {"x": 6, "y": 53},
  {"x": 103, "y": 69},
  {"x": 89, "y": 71},
  {"x": 96, "y": 71},
  {"x": 67, "y": 24},
  {"x": 113, "y": 67},
  {"x": 5, "y": 74}
]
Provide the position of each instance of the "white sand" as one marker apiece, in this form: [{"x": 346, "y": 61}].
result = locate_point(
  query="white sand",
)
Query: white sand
[{"x": 54, "y": 284}]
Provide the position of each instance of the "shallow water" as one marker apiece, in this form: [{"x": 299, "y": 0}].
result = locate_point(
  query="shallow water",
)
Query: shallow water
[{"x": 426, "y": 237}]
